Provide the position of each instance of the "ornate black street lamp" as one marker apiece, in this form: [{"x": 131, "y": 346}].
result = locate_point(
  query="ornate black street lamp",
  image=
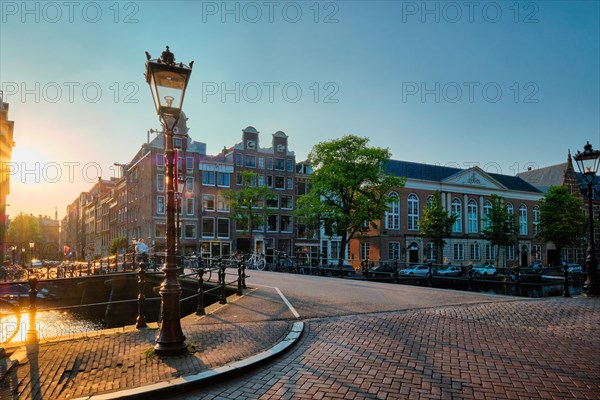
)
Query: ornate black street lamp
[
  {"x": 31, "y": 246},
  {"x": 168, "y": 82},
  {"x": 588, "y": 163}
]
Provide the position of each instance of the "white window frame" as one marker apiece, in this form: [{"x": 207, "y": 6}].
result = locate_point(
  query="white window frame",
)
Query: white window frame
[
  {"x": 472, "y": 222},
  {"x": 392, "y": 215},
  {"x": 413, "y": 212},
  {"x": 457, "y": 210}
]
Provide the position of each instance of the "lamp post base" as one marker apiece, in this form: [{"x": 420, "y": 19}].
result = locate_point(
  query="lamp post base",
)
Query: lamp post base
[
  {"x": 170, "y": 340},
  {"x": 591, "y": 285}
]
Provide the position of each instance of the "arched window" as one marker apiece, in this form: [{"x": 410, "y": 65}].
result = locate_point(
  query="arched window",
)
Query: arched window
[
  {"x": 413, "y": 212},
  {"x": 487, "y": 210},
  {"x": 457, "y": 210},
  {"x": 429, "y": 201},
  {"x": 509, "y": 208},
  {"x": 536, "y": 220},
  {"x": 523, "y": 219},
  {"x": 472, "y": 215},
  {"x": 392, "y": 215}
]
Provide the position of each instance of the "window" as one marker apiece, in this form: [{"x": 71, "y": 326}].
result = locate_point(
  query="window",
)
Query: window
[
  {"x": 160, "y": 182},
  {"x": 393, "y": 250},
  {"x": 238, "y": 179},
  {"x": 223, "y": 179},
  {"x": 160, "y": 161},
  {"x": 459, "y": 251},
  {"x": 270, "y": 163},
  {"x": 475, "y": 251},
  {"x": 290, "y": 165},
  {"x": 429, "y": 201},
  {"x": 261, "y": 162},
  {"x": 261, "y": 180},
  {"x": 279, "y": 182},
  {"x": 250, "y": 161},
  {"x": 457, "y": 210},
  {"x": 289, "y": 183},
  {"x": 160, "y": 230},
  {"x": 537, "y": 252},
  {"x": 279, "y": 164},
  {"x": 413, "y": 212},
  {"x": 365, "y": 250},
  {"x": 536, "y": 220},
  {"x": 239, "y": 160},
  {"x": 509, "y": 208},
  {"x": 189, "y": 164},
  {"x": 430, "y": 251},
  {"x": 487, "y": 210},
  {"x": 208, "y": 227},
  {"x": 392, "y": 215},
  {"x": 208, "y": 202},
  {"x": 490, "y": 252},
  {"x": 472, "y": 216},
  {"x": 272, "y": 223},
  {"x": 189, "y": 231},
  {"x": 223, "y": 228},
  {"x": 286, "y": 223},
  {"x": 269, "y": 180},
  {"x": 208, "y": 178},
  {"x": 522, "y": 220},
  {"x": 273, "y": 202},
  {"x": 189, "y": 184},
  {"x": 287, "y": 202},
  {"x": 160, "y": 204},
  {"x": 189, "y": 205},
  {"x": 510, "y": 252},
  {"x": 222, "y": 203}
]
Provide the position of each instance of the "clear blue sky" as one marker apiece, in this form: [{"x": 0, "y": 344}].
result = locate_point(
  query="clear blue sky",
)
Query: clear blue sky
[{"x": 501, "y": 84}]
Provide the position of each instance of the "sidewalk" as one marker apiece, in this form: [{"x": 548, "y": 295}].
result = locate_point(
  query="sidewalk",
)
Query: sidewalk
[{"x": 112, "y": 363}]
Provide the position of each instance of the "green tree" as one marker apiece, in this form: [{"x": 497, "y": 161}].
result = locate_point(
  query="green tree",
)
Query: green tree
[
  {"x": 562, "y": 218},
  {"x": 117, "y": 244},
  {"x": 24, "y": 229},
  {"x": 436, "y": 224},
  {"x": 249, "y": 204},
  {"x": 349, "y": 189},
  {"x": 500, "y": 226}
]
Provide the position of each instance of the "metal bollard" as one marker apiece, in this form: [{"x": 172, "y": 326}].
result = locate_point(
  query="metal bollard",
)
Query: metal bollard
[
  {"x": 200, "y": 309},
  {"x": 239, "y": 282},
  {"x": 141, "y": 321},
  {"x": 396, "y": 271},
  {"x": 430, "y": 275},
  {"x": 566, "y": 292},
  {"x": 31, "y": 335},
  {"x": 243, "y": 264},
  {"x": 222, "y": 298},
  {"x": 341, "y": 267}
]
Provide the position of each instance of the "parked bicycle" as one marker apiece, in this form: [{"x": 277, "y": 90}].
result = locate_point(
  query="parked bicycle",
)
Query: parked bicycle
[
  {"x": 256, "y": 261},
  {"x": 284, "y": 263}
]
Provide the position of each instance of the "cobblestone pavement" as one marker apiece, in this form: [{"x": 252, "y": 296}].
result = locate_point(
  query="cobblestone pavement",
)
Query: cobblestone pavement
[
  {"x": 112, "y": 362},
  {"x": 524, "y": 349}
]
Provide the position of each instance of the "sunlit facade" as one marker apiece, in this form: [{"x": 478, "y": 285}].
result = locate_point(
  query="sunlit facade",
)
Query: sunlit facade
[{"x": 6, "y": 145}]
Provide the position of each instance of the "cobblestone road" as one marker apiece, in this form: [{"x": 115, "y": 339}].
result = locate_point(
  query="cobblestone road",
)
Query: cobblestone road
[{"x": 529, "y": 349}]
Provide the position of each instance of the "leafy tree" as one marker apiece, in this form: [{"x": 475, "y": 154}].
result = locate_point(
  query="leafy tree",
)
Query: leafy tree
[
  {"x": 562, "y": 218},
  {"x": 24, "y": 229},
  {"x": 249, "y": 205},
  {"x": 349, "y": 189},
  {"x": 436, "y": 224},
  {"x": 117, "y": 244},
  {"x": 500, "y": 226}
]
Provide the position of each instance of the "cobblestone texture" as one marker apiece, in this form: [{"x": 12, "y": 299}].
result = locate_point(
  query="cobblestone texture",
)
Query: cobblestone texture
[{"x": 531, "y": 349}]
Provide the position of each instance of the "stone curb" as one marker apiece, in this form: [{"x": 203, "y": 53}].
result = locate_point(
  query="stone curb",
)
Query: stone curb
[{"x": 209, "y": 376}]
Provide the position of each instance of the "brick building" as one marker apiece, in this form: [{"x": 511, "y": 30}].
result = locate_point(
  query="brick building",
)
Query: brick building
[
  {"x": 6, "y": 145},
  {"x": 565, "y": 174},
  {"x": 465, "y": 193}
]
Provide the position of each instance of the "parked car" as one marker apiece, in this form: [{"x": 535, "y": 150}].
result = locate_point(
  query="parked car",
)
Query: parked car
[
  {"x": 334, "y": 270},
  {"x": 450, "y": 270},
  {"x": 20, "y": 292},
  {"x": 382, "y": 271},
  {"x": 417, "y": 270},
  {"x": 484, "y": 270},
  {"x": 574, "y": 268}
]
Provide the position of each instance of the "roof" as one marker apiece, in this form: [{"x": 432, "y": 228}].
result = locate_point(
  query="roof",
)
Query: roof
[
  {"x": 545, "y": 177},
  {"x": 438, "y": 173}
]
